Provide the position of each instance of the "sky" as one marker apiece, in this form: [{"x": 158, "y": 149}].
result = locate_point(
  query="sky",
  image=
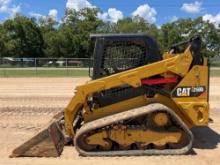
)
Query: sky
[{"x": 154, "y": 11}]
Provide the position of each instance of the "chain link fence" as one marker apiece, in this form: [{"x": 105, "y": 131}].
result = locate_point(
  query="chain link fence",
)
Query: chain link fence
[
  {"x": 62, "y": 67},
  {"x": 44, "y": 67}
]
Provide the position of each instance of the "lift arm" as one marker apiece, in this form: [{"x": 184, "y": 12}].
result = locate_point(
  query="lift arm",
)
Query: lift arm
[{"x": 178, "y": 64}]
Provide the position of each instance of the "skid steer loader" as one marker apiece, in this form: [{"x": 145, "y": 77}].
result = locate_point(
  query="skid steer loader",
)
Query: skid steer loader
[{"x": 138, "y": 102}]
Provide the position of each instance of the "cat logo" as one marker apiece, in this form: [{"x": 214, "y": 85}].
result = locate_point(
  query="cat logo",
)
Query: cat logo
[
  {"x": 195, "y": 91},
  {"x": 183, "y": 92}
]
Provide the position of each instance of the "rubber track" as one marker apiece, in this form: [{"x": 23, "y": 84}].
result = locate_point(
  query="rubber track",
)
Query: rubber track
[{"x": 100, "y": 123}]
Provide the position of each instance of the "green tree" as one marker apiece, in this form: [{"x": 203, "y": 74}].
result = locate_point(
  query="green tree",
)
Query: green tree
[
  {"x": 28, "y": 37},
  {"x": 48, "y": 24},
  {"x": 23, "y": 37},
  {"x": 2, "y": 41},
  {"x": 183, "y": 29},
  {"x": 49, "y": 29},
  {"x": 75, "y": 32},
  {"x": 133, "y": 25}
]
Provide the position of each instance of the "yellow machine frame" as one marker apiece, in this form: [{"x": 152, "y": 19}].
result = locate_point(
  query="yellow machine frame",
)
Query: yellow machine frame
[{"x": 192, "y": 110}]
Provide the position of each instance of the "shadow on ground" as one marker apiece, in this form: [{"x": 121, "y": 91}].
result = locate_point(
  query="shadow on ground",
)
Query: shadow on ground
[{"x": 205, "y": 138}]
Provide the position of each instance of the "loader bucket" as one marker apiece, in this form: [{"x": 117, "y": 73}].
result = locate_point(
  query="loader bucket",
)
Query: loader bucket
[{"x": 47, "y": 143}]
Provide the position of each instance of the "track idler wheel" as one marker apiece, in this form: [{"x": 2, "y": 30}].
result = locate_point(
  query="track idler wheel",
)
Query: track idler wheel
[{"x": 160, "y": 119}]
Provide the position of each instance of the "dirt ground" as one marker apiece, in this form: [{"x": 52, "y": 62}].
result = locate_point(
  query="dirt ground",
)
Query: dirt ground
[{"x": 27, "y": 104}]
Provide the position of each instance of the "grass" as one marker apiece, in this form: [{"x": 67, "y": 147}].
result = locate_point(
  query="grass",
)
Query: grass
[
  {"x": 60, "y": 73},
  {"x": 43, "y": 73},
  {"x": 215, "y": 73}
]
